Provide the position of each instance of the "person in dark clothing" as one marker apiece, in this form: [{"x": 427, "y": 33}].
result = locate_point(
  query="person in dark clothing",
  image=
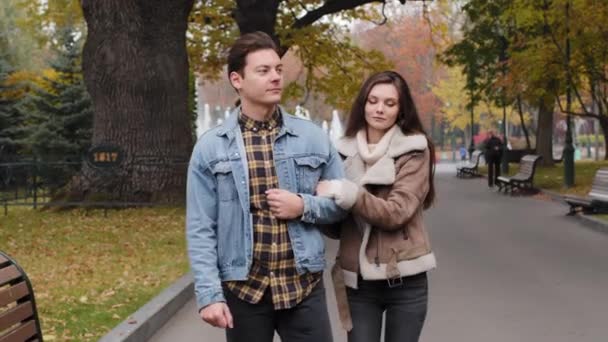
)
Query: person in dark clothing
[{"x": 493, "y": 155}]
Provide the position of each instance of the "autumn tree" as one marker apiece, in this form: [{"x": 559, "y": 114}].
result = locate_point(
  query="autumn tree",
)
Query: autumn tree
[
  {"x": 136, "y": 66},
  {"x": 407, "y": 43}
]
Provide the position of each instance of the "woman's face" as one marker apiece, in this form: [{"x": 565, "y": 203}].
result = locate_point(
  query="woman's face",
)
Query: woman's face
[{"x": 382, "y": 107}]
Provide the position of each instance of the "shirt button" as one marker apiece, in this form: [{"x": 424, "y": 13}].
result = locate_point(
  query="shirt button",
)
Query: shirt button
[
  {"x": 274, "y": 245},
  {"x": 242, "y": 182},
  {"x": 272, "y": 274}
]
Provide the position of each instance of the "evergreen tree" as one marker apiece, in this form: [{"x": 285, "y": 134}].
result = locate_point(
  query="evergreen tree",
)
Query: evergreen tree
[
  {"x": 10, "y": 116},
  {"x": 59, "y": 114}
]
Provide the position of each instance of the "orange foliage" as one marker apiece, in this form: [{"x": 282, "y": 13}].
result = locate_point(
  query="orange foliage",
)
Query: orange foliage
[{"x": 407, "y": 43}]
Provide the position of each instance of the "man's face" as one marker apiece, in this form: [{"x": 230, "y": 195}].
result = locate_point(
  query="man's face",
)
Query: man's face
[{"x": 262, "y": 80}]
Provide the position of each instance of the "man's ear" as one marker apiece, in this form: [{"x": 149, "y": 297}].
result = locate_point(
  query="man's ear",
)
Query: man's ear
[{"x": 236, "y": 79}]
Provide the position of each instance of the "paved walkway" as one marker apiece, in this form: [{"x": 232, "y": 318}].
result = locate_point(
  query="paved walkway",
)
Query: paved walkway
[{"x": 510, "y": 269}]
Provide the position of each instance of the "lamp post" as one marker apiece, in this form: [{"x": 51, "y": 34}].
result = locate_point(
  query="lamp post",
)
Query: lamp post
[
  {"x": 504, "y": 163},
  {"x": 569, "y": 148},
  {"x": 472, "y": 145}
]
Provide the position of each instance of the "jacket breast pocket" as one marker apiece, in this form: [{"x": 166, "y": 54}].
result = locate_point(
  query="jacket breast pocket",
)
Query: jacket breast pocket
[
  {"x": 226, "y": 188},
  {"x": 308, "y": 172}
]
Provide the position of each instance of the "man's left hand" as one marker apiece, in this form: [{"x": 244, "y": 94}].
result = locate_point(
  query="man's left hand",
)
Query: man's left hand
[{"x": 284, "y": 205}]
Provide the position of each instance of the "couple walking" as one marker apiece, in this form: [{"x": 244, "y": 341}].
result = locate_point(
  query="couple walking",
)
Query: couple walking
[{"x": 264, "y": 186}]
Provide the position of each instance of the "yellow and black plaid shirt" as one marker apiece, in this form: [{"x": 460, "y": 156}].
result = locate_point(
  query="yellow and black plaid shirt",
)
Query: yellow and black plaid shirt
[{"x": 273, "y": 259}]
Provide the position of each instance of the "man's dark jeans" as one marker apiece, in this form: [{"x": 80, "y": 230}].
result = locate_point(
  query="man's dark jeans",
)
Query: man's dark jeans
[
  {"x": 405, "y": 306},
  {"x": 493, "y": 171},
  {"x": 307, "y": 322}
]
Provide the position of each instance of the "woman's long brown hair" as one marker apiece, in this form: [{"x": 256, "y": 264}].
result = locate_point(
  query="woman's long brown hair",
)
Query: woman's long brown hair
[{"x": 407, "y": 120}]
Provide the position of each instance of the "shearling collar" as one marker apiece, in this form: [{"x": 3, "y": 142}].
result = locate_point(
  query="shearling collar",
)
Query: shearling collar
[{"x": 381, "y": 172}]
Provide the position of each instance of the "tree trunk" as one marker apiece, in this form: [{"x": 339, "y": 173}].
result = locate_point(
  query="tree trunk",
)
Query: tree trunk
[
  {"x": 251, "y": 16},
  {"x": 603, "y": 120},
  {"x": 523, "y": 123},
  {"x": 136, "y": 69},
  {"x": 544, "y": 132}
]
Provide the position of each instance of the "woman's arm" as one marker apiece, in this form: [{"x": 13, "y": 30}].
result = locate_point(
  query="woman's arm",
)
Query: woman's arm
[{"x": 405, "y": 198}]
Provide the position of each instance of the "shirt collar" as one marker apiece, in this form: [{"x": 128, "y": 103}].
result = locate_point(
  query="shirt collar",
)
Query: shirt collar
[{"x": 250, "y": 124}]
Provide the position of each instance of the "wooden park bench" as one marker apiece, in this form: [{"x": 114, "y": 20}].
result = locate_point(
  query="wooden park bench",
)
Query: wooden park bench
[
  {"x": 596, "y": 201},
  {"x": 523, "y": 181},
  {"x": 470, "y": 169},
  {"x": 18, "y": 315}
]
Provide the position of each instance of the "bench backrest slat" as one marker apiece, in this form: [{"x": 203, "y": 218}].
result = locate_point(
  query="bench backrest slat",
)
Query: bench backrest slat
[
  {"x": 18, "y": 316},
  {"x": 527, "y": 167},
  {"x": 21, "y": 333},
  {"x": 8, "y": 274},
  {"x": 475, "y": 157},
  {"x": 12, "y": 294},
  {"x": 599, "y": 187}
]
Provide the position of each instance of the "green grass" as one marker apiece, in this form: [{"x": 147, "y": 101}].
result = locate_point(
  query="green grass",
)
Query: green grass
[
  {"x": 90, "y": 272},
  {"x": 552, "y": 178}
]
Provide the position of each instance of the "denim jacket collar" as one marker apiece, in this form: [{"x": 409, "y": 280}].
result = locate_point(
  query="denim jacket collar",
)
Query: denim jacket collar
[{"x": 232, "y": 123}]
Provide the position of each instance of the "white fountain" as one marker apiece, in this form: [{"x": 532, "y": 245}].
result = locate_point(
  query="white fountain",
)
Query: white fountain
[
  {"x": 324, "y": 126},
  {"x": 335, "y": 128}
]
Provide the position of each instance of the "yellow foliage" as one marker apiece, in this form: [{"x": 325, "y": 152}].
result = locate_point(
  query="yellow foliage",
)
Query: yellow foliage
[{"x": 451, "y": 91}]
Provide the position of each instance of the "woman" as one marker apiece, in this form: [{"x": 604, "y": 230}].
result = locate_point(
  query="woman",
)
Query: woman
[{"x": 384, "y": 248}]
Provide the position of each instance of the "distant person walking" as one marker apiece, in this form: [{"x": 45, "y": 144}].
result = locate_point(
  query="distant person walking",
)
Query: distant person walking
[
  {"x": 493, "y": 156},
  {"x": 463, "y": 153}
]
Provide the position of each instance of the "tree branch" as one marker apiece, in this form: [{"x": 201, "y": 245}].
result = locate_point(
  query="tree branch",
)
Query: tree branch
[
  {"x": 586, "y": 114},
  {"x": 329, "y": 7}
]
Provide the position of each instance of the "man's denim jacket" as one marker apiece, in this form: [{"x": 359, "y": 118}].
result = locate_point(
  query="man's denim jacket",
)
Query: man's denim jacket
[{"x": 218, "y": 218}]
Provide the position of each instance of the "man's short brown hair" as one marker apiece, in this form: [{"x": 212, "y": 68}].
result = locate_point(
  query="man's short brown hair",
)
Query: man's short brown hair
[{"x": 246, "y": 44}]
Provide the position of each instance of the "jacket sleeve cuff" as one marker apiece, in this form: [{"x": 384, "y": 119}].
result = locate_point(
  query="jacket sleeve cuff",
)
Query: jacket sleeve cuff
[
  {"x": 210, "y": 297},
  {"x": 308, "y": 213},
  {"x": 346, "y": 193}
]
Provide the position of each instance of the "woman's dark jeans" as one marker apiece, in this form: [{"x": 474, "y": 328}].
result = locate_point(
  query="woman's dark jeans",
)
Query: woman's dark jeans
[{"x": 405, "y": 305}]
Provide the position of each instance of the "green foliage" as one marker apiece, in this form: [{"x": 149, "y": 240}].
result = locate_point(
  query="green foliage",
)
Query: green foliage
[
  {"x": 585, "y": 139},
  {"x": 482, "y": 53},
  {"x": 334, "y": 66},
  {"x": 10, "y": 117},
  {"x": 58, "y": 110}
]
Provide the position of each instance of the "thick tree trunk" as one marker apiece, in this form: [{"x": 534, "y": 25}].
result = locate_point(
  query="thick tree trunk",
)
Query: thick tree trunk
[
  {"x": 136, "y": 70},
  {"x": 544, "y": 132}
]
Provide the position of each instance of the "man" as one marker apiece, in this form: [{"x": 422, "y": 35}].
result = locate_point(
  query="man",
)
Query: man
[
  {"x": 255, "y": 250},
  {"x": 492, "y": 155}
]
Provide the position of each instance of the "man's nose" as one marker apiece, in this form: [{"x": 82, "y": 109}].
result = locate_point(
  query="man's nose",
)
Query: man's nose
[{"x": 275, "y": 75}]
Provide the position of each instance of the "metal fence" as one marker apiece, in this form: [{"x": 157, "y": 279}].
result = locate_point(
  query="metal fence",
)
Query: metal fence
[{"x": 36, "y": 182}]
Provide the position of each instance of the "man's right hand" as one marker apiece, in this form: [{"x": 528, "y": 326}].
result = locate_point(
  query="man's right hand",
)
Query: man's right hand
[{"x": 218, "y": 315}]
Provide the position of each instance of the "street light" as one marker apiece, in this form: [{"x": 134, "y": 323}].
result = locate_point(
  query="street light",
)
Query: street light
[
  {"x": 504, "y": 163},
  {"x": 472, "y": 145}
]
